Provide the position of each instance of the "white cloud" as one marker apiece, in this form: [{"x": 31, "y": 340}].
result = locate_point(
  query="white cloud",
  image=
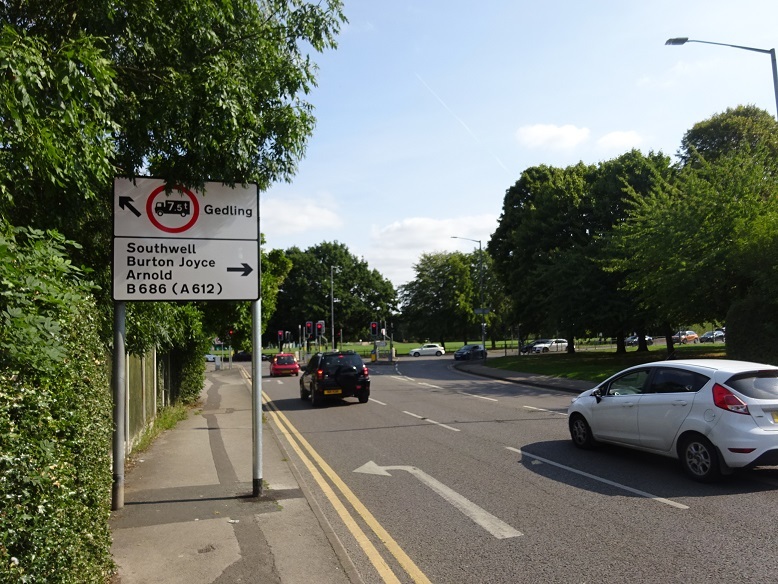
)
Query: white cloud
[
  {"x": 620, "y": 140},
  {"x": 396, "y": 247},
  {"x": 551, "y": 136},
  {"x": 289, "y": 215}
]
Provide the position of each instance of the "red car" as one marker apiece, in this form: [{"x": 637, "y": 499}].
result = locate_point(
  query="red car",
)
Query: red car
[{"x": 284, "y": 364}]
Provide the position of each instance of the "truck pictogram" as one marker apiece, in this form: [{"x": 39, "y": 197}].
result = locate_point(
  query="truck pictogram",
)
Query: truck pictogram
[{"x": 168, "y": 207}]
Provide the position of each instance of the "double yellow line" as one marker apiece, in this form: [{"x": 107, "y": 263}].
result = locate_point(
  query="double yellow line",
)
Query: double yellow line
[{"x": 300, "y": 445}]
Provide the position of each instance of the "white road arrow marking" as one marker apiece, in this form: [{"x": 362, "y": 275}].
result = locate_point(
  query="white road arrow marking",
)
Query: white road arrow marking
[{"x": 489, "y": 522}]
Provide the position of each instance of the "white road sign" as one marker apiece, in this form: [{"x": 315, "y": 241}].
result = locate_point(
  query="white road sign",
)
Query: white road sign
[
  {"x": 145, "y": 209},
  {"x": 185, "y": 269},
  {"x": 185, "y": 245}
]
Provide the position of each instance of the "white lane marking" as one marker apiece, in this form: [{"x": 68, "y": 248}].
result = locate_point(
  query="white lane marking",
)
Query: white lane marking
[
  {"x": 376, "y": 401},
  {"x": 430, "y": 385},
  {"x": 431, "y": 421},
  {"x": 403, "y": 378},
  {"x": 602, "y": 480},
  {"x": 545, "y": 410},
  {"x": 489, "y": 522},
  {"x": 478, "y": 396}
]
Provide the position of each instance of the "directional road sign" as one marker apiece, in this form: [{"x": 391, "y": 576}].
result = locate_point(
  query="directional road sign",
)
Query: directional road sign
[
  {"x": 172, "y": 243},
  {"x": 185, "y": 269}
]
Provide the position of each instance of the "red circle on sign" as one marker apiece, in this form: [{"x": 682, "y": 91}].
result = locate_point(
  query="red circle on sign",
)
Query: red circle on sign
[{"x": 160, "y": 226}]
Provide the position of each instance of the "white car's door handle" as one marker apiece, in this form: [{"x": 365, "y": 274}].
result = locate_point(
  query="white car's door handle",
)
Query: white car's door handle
[{"x": 680, "y": 402}]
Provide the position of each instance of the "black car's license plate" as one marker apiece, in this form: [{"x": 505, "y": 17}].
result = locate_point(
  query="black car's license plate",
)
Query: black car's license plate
[{"x": 332, "y": 391}]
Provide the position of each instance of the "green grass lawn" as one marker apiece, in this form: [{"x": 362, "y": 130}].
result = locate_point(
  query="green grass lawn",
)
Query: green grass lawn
[{"x": 597, "y": 365}]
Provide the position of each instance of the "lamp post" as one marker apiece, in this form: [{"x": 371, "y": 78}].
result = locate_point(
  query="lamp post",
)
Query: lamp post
[
  {"x": 332, "y": 306},
  {"x": 771, "y": 52},
  {"x": 481, "y": 286}
]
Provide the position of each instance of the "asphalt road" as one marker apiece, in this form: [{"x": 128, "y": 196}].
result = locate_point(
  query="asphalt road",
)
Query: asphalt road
[{"x": 448, "y": 478}]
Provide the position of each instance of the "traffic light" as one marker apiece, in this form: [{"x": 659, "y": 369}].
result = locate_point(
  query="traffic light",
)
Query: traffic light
[
  {"x": 308, "y": 328},
  {"x": 374, "y": 329},
  {"x": 319, "y": 328},
  {"x": 280, "y": 338}
]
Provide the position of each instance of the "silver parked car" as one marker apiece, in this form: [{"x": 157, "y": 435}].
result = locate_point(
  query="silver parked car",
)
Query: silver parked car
[
  {"x": 428, "y": 349},
  {"x": 551, "y": 346}
]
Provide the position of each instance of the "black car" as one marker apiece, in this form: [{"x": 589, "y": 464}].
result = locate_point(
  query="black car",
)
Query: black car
[
  {"x": 633, "y": 341},
  {"x": 242, "y": 356},
  {"x": 335, "y": 374},
  {"x": 530, "y": 347},
  {"x": 713, "y": 337},
  {"x": 470, "y": 352}
]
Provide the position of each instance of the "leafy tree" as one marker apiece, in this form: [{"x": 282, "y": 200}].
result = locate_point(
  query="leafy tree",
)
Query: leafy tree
[
  {"x": 438, "y": 302},
  {"x": 361, "y": 294},
  {"x": 736, "y": 128},
  {"x": 539, "y": 225},
  {"x": 705, "y": 237}
]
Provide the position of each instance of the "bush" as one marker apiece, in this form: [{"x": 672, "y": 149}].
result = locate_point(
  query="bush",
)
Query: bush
[
  {"x": 752, "y": 327},
  {"x": 55, "y": 417}
]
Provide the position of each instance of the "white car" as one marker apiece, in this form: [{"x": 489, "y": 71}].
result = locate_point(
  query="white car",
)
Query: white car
[
  {"x": 551, "y": 345},
  {"x": 428, "y": 349},
  {"x": 714, "y": 415}
]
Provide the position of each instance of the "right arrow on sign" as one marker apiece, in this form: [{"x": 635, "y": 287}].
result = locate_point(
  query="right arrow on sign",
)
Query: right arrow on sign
[
  {"x": 246, "y": 269},
  {"x": 489, "y": 522}
]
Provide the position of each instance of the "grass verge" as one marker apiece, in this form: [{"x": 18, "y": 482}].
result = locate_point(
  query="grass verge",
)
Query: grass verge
[{"x": 166, "y": 419}]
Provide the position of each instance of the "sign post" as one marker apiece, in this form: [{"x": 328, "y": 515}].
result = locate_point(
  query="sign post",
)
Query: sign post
[{"x": 175, "y": 244}]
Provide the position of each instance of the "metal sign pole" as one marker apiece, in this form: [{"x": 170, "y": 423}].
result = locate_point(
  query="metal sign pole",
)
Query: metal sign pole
[
  {"x": 119, "y": 384},
  {"x": 256, "y": 396}
]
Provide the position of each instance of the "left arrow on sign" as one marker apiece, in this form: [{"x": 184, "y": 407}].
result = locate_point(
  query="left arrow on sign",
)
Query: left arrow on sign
[
  {"x": 489, "y": 522},
  {"x": 126, "y": 202},
  {"x": 246, "y": 269}
]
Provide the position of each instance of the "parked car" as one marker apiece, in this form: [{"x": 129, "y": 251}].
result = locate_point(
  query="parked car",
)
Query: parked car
[
  {"x": 284, "y": 364},
  {"x": 684, "y": 337},
  {"x": 714, "y": 415},
  {"x": 335, "y": 374},
  {"x": 527, "y": 348},
  {"x": 468, "y": 352},
  {"x": 210, "y": 358},
  {"x": 551, "y": 345},
  {"x": 713, "y": 337},
  {"x": 428, "y": 349},
  {"x": 632, "y": 341}
]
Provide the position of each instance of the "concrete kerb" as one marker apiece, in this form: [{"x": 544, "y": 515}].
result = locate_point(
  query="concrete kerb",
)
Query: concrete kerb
[{"x": 575, "y": 386}]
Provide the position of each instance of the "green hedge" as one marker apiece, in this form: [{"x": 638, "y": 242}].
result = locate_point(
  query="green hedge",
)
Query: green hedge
[{"x": 55, "y": 417}]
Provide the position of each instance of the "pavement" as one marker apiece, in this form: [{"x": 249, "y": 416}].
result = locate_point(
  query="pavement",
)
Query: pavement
[{"x": 189, "y": 513}]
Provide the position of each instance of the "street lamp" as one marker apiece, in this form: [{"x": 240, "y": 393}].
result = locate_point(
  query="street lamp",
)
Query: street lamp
[
  {"x": 332, "y": 305},
  {"x": 481, "y": 309},
  {"x": 771, "y": 52}
]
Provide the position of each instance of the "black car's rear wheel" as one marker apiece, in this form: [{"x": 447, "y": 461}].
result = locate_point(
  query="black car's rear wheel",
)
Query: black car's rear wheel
[{"x": 316, "y": 399}]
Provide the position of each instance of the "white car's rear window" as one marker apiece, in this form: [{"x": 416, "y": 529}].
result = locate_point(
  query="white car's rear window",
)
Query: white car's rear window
[{"x": 756, "y": 384}]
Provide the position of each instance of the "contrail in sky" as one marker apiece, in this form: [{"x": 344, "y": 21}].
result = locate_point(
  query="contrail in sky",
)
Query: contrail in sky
[{"x": 457, "y": 118}]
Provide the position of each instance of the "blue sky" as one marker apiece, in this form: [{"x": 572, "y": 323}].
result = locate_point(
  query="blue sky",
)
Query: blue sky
[{"x": 429, "y": 110}]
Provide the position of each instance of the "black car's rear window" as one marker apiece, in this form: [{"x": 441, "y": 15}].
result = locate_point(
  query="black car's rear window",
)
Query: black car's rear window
[
  {"x": 331, "y": 361},
  {"x": 756, "y": 384}
]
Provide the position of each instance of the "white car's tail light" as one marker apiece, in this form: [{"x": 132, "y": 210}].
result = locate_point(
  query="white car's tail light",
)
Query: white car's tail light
[{"x": 726, "y": 400}]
